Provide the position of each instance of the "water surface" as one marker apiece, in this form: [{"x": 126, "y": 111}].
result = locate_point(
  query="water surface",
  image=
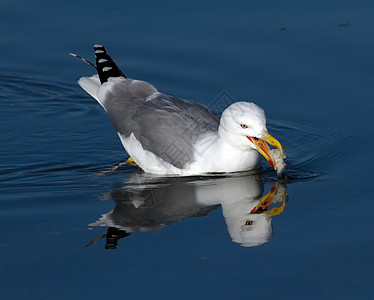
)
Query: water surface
[{"x": 68, "y": 232}]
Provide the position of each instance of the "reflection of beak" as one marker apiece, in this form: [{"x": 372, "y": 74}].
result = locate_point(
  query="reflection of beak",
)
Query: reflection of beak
[
  {"x": 267, "y": 200},
  {"x": 263, "y": 147}
]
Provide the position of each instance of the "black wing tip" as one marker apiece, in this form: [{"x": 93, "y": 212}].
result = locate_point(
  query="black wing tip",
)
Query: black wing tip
[{"x": 105, "y": 65}]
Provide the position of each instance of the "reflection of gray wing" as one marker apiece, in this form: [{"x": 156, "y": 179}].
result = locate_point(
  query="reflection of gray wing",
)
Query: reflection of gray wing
[
  {"x": 164, "y": 125},
  {"x": 158, "y": 206}
]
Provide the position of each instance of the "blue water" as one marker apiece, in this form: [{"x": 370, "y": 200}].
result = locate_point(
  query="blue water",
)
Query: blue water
[{"x": 69, "y": 231}]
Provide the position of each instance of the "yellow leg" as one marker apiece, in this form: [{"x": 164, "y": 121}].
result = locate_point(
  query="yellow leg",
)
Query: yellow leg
[{"x": 129, "y": 161}]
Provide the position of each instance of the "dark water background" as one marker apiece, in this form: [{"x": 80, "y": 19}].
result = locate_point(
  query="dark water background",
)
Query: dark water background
[{"x": 309, "y": 64}]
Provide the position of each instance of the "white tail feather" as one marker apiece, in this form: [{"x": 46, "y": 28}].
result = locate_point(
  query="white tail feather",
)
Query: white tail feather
[{"x": 91, "y": 85}]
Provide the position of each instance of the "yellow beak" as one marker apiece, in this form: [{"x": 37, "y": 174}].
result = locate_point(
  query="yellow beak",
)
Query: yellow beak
[{"x": 263, "y": 147}]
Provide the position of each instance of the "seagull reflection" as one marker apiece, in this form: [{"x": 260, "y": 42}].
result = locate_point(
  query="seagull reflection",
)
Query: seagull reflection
[{"x": 148, "y": 203}]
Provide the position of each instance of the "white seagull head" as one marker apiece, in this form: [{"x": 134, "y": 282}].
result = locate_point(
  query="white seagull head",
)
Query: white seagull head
[{"x": 243, "y": 125}]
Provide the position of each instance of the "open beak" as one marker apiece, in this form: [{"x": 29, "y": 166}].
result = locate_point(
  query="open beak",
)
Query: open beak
[{"x": 263, "y": 147}]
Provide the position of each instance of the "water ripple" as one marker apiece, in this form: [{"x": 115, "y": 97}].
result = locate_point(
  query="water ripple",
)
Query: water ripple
[{"x": 313, "y": 148}]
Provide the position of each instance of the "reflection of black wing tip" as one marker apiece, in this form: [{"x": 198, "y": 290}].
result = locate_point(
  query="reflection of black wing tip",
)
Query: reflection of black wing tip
[
  {"x": 112, "y": 236},
  {"x": 105, "y": 65}
]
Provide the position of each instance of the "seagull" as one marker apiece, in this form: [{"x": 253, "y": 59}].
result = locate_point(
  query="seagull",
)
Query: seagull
[{"x": 166, "y": 135}]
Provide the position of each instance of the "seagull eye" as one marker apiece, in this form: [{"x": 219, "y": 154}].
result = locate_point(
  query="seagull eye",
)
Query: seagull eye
[{"x": 243, "y": 126}]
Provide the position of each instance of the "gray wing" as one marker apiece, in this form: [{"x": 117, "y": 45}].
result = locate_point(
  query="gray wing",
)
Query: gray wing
[
  {"x": 169, "y": 127},
  {"x": 166, "y": 126}
]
